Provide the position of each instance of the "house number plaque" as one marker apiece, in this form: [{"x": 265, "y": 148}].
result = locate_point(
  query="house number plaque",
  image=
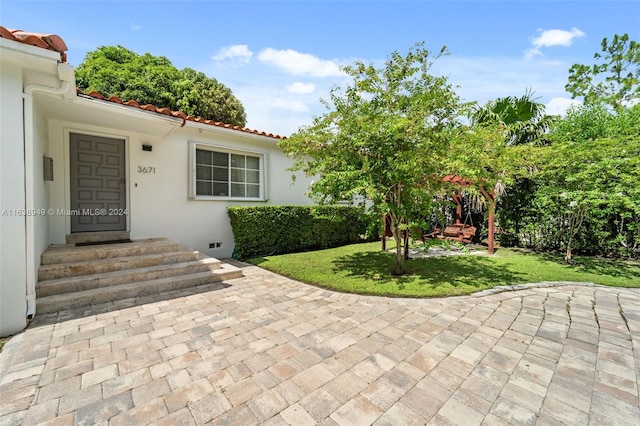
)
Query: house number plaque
[{"x": 147, "y": 170}]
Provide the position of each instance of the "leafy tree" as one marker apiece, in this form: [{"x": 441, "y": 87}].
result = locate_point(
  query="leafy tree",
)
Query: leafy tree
[
  {"x": 614, "y": 80},
  {"x": 586, "y": 195},
  {"x": 594, "y": 183},
  {"x": 148, "y": 79},
  {"x": 384, "y": 138},
  {"x": 490, "y": 166}
]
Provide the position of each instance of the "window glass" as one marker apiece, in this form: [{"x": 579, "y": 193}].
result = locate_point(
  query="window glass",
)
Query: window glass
[
  {"x": 253, "y": 176},
  {"x": 203, "y": 157},
  {"x": 237, "y": 190},
  {"x": 224, "y": 174},
  {"x": 237, "y": 160},
  {"x": 203, "y": 172},
  {"x": 253, "y": 191},
  {"x": 220, "y": 189},
  {"x": 203, "y": 188},
  {"x": 253, "y": 163},
  {"x": 237, "y": 175},
  {"x": 220, "y": 158}
]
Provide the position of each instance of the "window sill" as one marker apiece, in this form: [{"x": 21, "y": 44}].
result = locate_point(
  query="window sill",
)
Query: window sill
[{"x": 234, "y": 199}]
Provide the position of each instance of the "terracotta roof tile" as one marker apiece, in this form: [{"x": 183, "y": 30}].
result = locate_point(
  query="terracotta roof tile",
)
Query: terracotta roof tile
[
  {"x": 178, "y": 114},
  {"x": 44, "y": 41}
]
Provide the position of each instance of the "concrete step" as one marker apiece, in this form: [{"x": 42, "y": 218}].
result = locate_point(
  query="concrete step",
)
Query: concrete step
[
  {"x": 69, "y": 253},
  {"x": 107, "y": 279},
  {"x": 58, "y": 302},
  {"x": 101, "y": 266}
]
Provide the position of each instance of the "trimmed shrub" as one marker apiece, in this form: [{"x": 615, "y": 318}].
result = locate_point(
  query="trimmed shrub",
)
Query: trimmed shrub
[{"x": 267, "y": 230}]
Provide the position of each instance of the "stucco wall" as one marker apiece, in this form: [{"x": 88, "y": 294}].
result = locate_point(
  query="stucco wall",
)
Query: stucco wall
[
  {"x": 12, "y": 197},
  {"x": 41, "y": 190},
  {"x": 158, "y": 202}
]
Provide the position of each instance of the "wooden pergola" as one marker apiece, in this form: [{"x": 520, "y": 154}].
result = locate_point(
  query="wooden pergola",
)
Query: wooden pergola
[{"x": 489, "y": 196}]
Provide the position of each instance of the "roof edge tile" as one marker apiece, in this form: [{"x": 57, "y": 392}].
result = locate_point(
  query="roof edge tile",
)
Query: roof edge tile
[{"x": 178, "y": 114}]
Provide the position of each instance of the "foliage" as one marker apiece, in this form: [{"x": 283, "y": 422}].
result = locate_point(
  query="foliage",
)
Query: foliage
[
  {"x": 148, "y": 79},
  {"x": 483, "y": 157},
  {"x": 522, "y": 120},
  {"x": 614, "y": 80},
  {"x": 364, "y": 269},
  {"x": 587, "y": 196},
  {"x": 265, "y": 230},
  {"x": 384, "y": 138}
]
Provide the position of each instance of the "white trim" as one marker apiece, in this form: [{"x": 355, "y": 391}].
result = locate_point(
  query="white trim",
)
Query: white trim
[{"x": 193, "y": 145}]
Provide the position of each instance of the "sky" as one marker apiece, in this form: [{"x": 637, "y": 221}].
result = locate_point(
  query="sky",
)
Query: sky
[{"x": 280, "y": 58}]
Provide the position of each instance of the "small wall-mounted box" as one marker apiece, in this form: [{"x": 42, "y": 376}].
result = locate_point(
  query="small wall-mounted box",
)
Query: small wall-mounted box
[
  {"x": 146, "y": 147},
  {"x": 47, "y": 168}
]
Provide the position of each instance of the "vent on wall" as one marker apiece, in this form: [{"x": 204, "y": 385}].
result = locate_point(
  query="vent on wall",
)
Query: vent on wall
[{"x": 215, "y": 245}]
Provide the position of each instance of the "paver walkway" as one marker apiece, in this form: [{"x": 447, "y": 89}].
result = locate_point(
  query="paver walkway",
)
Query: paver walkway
[{"x": 264, "y": 349}]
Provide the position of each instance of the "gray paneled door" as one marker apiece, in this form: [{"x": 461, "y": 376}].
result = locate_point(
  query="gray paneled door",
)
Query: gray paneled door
[{"x": 98, "y": 185}]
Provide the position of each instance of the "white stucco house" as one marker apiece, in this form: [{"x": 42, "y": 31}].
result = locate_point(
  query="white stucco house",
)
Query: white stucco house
[{"x": 65, "y": 155}]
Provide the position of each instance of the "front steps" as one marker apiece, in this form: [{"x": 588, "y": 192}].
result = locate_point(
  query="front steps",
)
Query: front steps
[{"x": 70, "y": 277}]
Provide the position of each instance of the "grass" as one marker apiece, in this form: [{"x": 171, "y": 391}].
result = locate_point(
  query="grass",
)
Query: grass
[{"x": 365, "y": 269}]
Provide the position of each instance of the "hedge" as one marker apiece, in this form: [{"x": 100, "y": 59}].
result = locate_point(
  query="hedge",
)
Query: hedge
[{"x": 267, "y": 230}]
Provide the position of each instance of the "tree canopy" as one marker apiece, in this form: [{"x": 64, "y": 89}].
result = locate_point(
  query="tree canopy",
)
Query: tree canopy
[
  {"x": 586, "y": 194},
  {"x": 383, "y": 138},
  {"x": 115, "y": 70},
  {"x": 614, "y": 80}
]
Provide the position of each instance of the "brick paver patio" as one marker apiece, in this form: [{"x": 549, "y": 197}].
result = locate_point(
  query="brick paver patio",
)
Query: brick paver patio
[{"x": 264, "y": 349}]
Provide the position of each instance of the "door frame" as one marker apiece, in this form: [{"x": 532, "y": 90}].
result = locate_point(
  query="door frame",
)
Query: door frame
[{"x": 67, "y": 172}]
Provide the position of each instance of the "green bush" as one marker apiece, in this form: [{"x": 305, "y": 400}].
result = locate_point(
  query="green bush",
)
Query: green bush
[{"x": 266, "y": 230}]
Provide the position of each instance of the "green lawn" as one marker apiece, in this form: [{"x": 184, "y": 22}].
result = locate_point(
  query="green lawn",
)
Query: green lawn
[{"x": 365, "y": 269}]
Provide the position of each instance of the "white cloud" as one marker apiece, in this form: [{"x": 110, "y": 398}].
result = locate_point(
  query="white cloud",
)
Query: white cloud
[
  {"x": 290, "y": 105},
  {"x": 301, "y": 88},
  {"x": 300, "y": 63},
  {"x": 559, "y": 106},
  {"x": 238, "y": 52},
  {"x": 549, "y": 38},
  {"x": 135, "y": 27}
]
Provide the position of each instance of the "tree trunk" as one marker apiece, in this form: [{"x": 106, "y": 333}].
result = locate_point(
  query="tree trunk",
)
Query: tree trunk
[
  {"x": 397, "y": 236},
  {"x": 567, "y": 257},
  {"x": 492, "y": 218}
]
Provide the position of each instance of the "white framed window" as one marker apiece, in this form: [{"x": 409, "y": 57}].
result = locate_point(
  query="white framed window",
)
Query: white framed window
[{"x": 222, "y": 173}]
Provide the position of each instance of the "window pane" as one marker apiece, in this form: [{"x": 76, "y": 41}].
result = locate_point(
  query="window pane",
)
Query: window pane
[
  {"x": 203, "y": 188},
  {"x": 203, "y": 157},
  {"x": 237, "y": 160},
  {"x": 220, "y": 189},
  {"x": 253, "y": 191},
  {"x": 221, "y": 174},
  {"x": 237, "y": 190},
  {"x": 203, "y": 172},
  {"x": 220, "y": 158},
  {"x": 253, "y": 163},
  {"x": 253, "y": 176},
  {"x": 237, "y": 175}
]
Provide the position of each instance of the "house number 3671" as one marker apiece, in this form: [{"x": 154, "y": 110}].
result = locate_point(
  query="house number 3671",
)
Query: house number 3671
[{"x": 147, "y": 170}]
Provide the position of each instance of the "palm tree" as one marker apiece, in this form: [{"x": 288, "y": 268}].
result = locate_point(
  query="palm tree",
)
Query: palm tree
[{"x": 522, "y": 119}]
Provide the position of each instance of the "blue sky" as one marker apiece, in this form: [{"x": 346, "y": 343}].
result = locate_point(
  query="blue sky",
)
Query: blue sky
[{"x": 281, "y": 58}]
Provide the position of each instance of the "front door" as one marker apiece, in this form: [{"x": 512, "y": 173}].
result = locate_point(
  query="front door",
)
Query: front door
[{"x": 98, "y": 185}]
